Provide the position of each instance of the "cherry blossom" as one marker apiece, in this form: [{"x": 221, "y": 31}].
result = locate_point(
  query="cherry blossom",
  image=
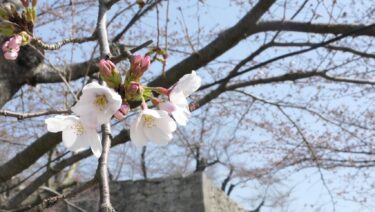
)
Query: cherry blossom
[
  {"x": 152, "y": 126},
  {"x": 97, "y": 104},
  {"x": 188, "y": 84},
  {"x": 76, "y": 135}
]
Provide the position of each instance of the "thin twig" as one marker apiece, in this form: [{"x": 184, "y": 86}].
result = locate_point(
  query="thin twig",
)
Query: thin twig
[
  {"x": 59, "y": 194},
  {"x": 318, "y": 45},
  {"x": 313, "y": 155},
  {"x": 58, "y": 45},
  {"x": 50, "y": 201},
  {"x": 21, "y": 116}
]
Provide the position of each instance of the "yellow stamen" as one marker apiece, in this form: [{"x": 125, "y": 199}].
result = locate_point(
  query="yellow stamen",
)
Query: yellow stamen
[
  {"x": 101, "y": 101},
  {"x": 78, "y": 128},
  {"x": 148, "y": 121}
]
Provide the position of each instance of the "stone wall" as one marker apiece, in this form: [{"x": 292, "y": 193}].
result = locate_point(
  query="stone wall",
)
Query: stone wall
[{"x": 194, "y": 193}]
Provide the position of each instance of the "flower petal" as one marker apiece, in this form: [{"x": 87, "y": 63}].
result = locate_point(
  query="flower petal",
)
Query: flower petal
[
  {"x": 136, "y": 132},
  {"x": 181, "y": 115},
  {"x": 91, "y": 85},
  {"x": 156, "y": 135},
  {"x": 95, "y": 143},
  {"x": 188, "y": 84},
  {"x": 166, "y": 124},
  {"x": 69, "y": 138},
  {"x": 57, "y": 123},
  {"x": 89, "y": 111},
  {"x": 178, "y": 99},
  {"x": 153, "y": 113},
  {"x": 167, "y": 106}
]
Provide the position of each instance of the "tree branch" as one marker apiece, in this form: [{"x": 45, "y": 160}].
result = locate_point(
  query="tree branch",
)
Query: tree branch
[
  {"x": 283, "y": 56},
  {"x": 226, "y": 40},
  {"x": 121, "y": 138},
  {"x": 29, "y": 156},
  {"x": 330, "y": 47},
  {"x": 137, "y": 16},
  {"x": 61, "y": 43},
  {"x": 21, "y": 116},
  {"x": 102, "y": 170},
  {"x": 308, "y": 27}
]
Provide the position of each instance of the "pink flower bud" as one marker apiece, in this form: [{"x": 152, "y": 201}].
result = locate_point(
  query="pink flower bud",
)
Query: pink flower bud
[
  {"x": 119, "y": 116},
  {"x": 5, "y": 46},
  {"x": 137, "y": 59},
  {"x": 125, "y": 108},
  {"x": 109, "y": 73},
  {"x": 121, "y": 113},
  {"x": 12, "y": 47},
  {"x": 106, "y": 67},
  {"x": 10, "y": 55},
  {"x": 146, "y": 63},
  {"x": 140, "y": 64},
  {"x": 134, "y": 87},
  {"x": 15, "y": 42},
  {"x": 167, "y": 106}
]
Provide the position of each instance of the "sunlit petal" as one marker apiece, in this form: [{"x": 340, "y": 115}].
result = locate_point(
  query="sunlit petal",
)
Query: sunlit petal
[
  {"x": 97, "y": 104},
  {"x": 188, "y": 84},
  {"x": 56, "y": 124},
  {"x": 136, "y": 133},
  {"x": 181, "y": 115}
]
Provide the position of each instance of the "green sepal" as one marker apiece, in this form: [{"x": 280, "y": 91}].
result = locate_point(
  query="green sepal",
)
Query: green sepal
[
  {"x": 147, "y": 93},
  {"x": 3, "y": 13},
  {"x": 30, "y": 14},
  {"x": 33, "y": 14},
  {"x": 113, "y": 81},
  {"x": 133, "y": 98},
  {"x": 6, "y": 30},
  {"x": 116, "y": 79},
  {"x": 26, "y": 38}
]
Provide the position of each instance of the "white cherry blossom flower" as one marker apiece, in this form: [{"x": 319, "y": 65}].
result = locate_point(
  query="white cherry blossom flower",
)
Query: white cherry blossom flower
[
  {"x": 188, "y": 84},
  {"x": 152, "y": 126},
  {"x": 97, "y": 104},
  {"x": 76, "y": 135}
]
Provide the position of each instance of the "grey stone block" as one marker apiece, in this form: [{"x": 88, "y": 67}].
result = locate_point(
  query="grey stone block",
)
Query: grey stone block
[{"x": 194, "y": 193}]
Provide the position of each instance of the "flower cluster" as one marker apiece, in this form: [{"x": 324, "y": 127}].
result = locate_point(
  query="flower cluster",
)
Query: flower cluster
[
  {"x": 12, "y": 47},
  {"x": 99, "y": 103},
  {"x": 17, "y": 27},
  {"x": 96, "y": 106}
]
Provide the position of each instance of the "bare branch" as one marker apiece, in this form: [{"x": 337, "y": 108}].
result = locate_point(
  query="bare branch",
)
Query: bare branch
[
  {"x": 60, "y": 44},
  {"x": 105, "y": 198},
  {"x": 308, "y": 27},
  {"x": 136, "y": 17},
  {"x": 331, "y": 47},
  {"x": 21, "y": 116},
  {"x": 121, "y": 138},
  {"x": 226, "y": 40},
  {"x": 29, "y": 155},
  {"x": 283, "y": 56}
]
